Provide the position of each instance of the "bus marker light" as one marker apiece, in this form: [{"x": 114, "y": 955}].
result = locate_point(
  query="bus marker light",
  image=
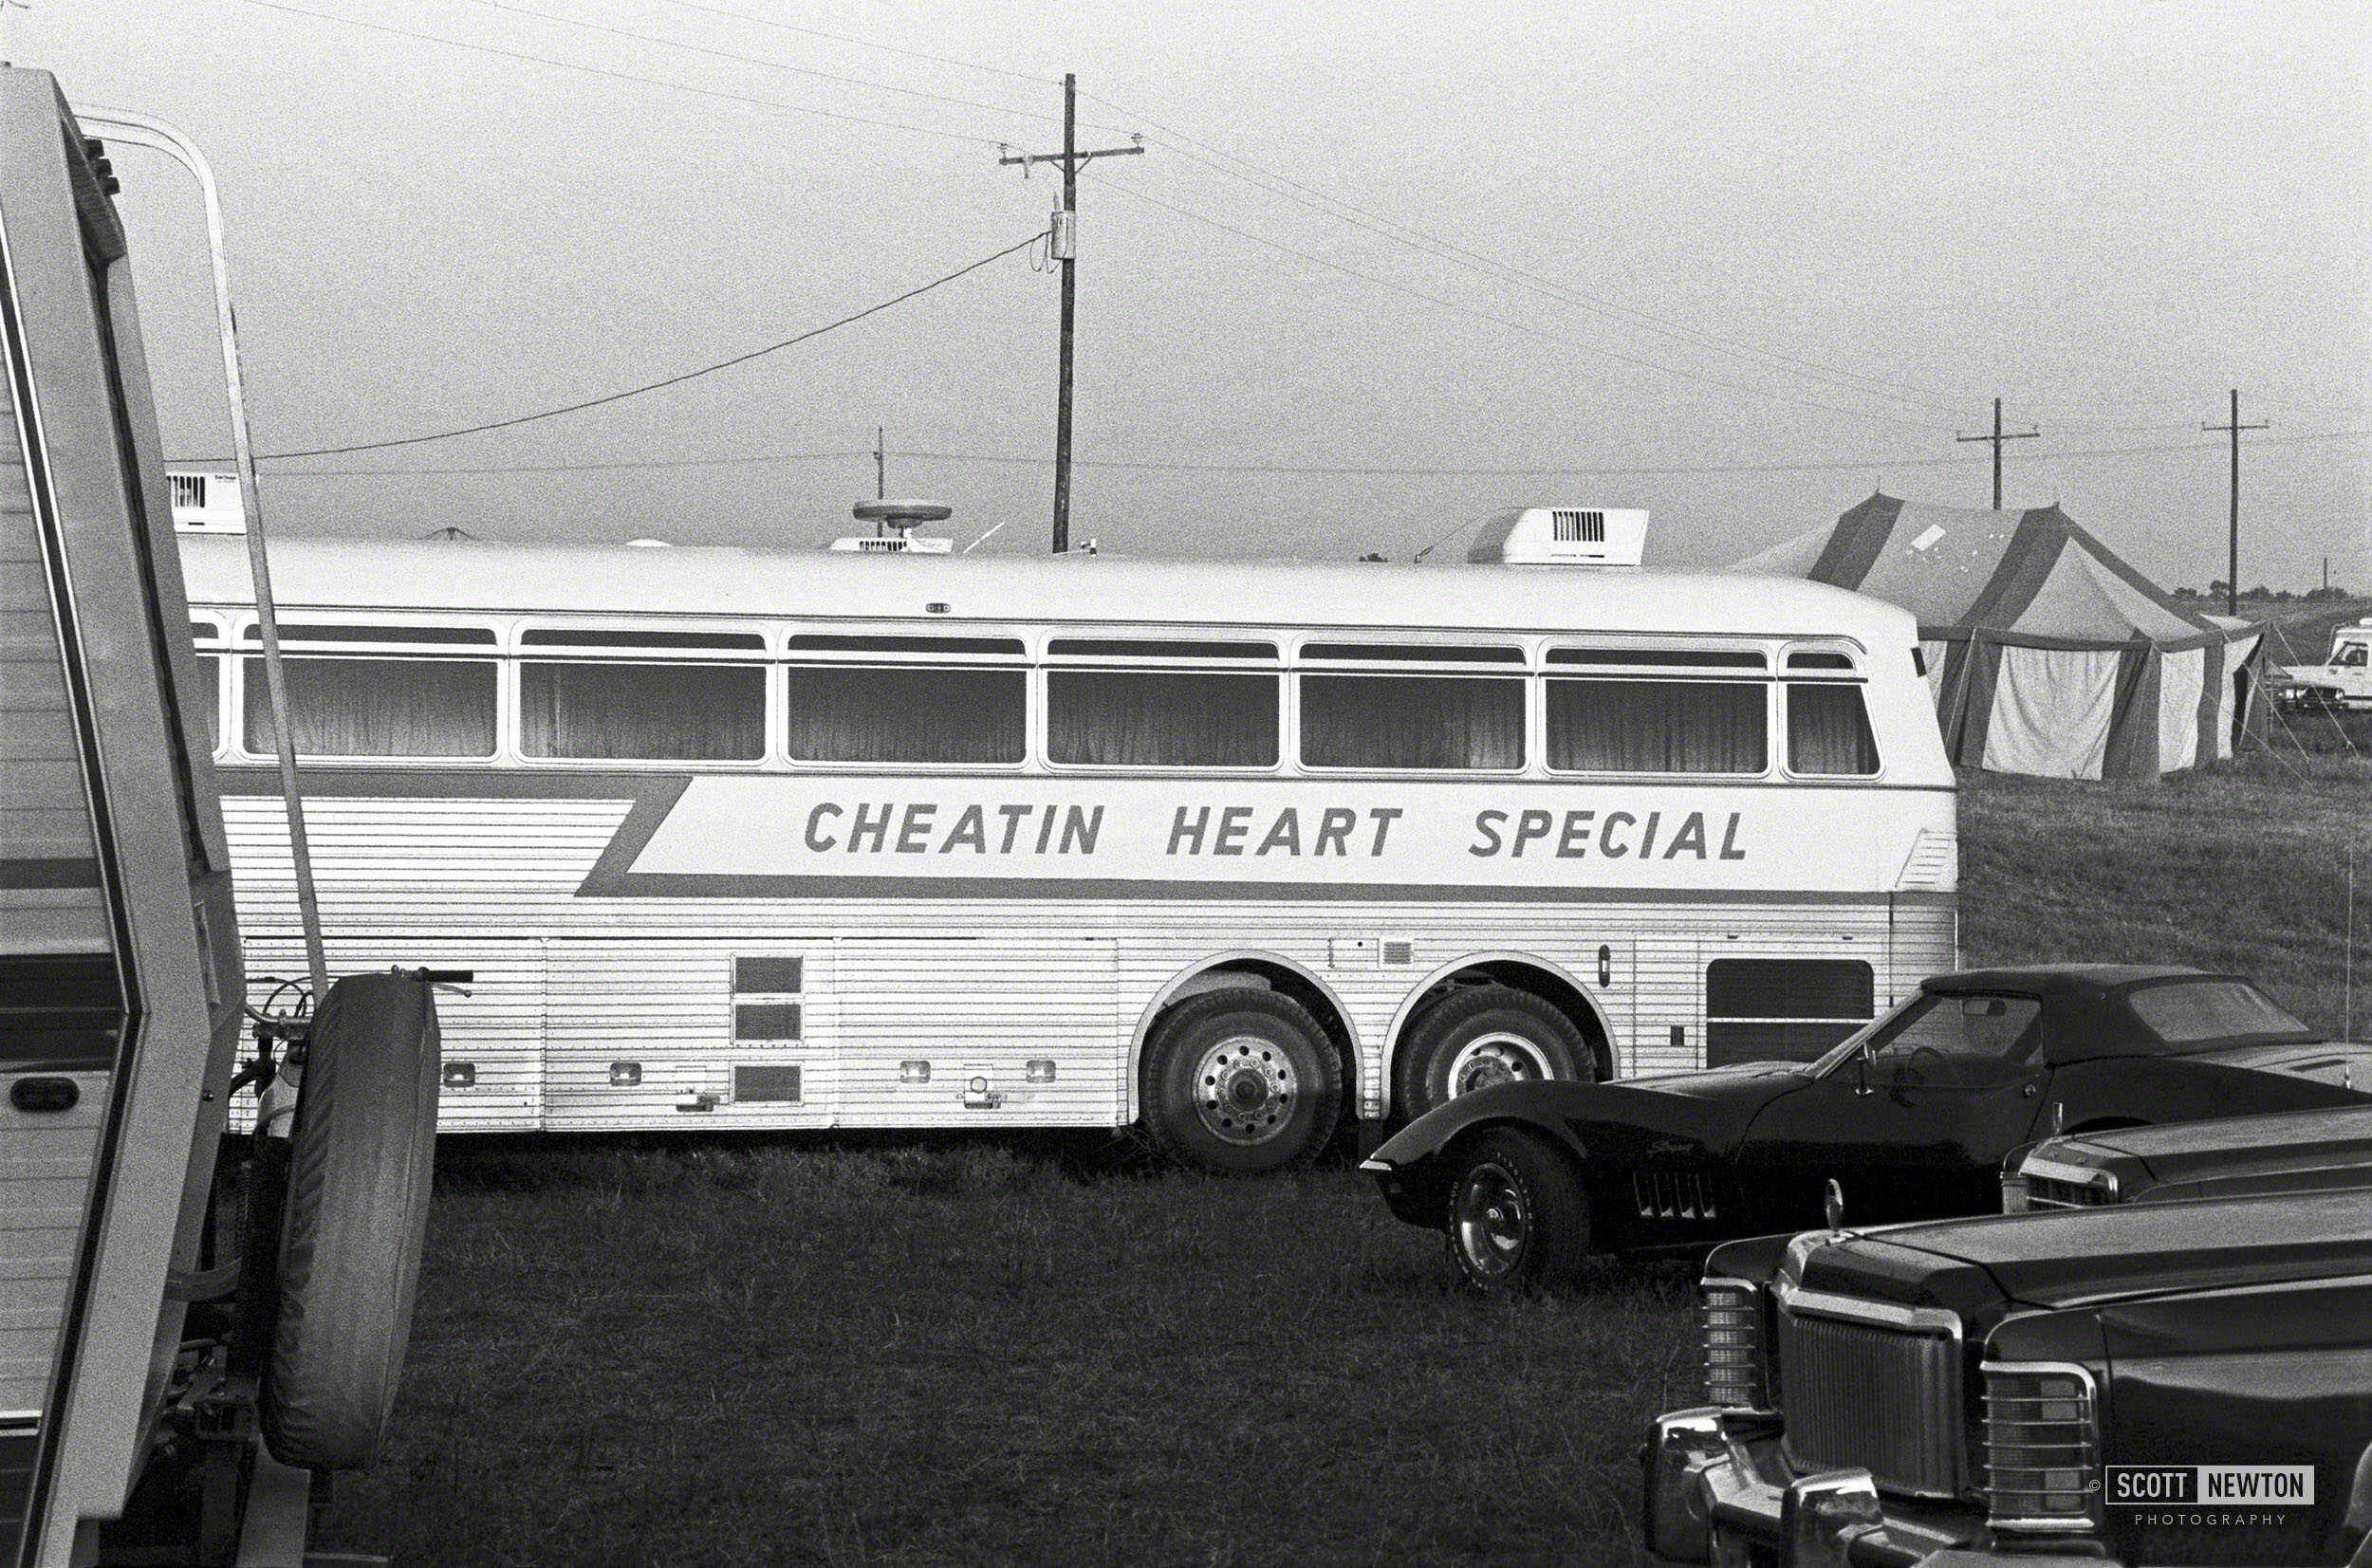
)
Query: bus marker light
[
  {"x": 914, "y": 1071},
  {"x": 624, "y": 1075},
  {"x": 460, "y": 1075},
  {"x": 1039, "y": 1070}
]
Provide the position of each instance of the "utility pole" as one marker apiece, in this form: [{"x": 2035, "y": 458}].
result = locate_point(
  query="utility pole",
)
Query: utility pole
[
  {"x": 881, "y": 466},
  {"x": 2232, "y": 581},
  {"x": 1997, "y": 438},
  {"x": 1063, "y": 241}
]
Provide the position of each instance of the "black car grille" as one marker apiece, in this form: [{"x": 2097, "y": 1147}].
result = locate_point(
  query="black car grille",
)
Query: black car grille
[
  {"x": 1672, "y": 1195},
  {"x": 2050, "y": 1193},
  {"x": 1873, "y": 1386}
]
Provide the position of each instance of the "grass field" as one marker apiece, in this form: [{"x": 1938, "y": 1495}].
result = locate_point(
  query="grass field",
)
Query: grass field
[{"x": 998, "y": 1352}]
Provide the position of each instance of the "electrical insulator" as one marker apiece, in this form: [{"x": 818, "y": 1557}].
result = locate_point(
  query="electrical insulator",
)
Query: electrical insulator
[{"x": 1064, "y": 236}]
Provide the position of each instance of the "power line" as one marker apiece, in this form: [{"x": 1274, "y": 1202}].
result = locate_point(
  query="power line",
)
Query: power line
[
  {"x": 862, "y": 43},
  {"x": 665, "y": 381},
  {"x": 1490, "y": 266},
  {"x": 509, "y": 8},
  {"x": 622, "y": 76},
  {"x": 758, "y": 459},
  {"x": 1516, "y": 326}
]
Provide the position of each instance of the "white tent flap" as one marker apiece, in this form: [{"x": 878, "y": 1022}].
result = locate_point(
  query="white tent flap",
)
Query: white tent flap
[
  {"x": 2051, "y": 710},
  {"x": 2178, "y": 678}
]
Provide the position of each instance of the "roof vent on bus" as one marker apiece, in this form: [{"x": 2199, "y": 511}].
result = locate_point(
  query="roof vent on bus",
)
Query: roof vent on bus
[
  {"x": 1561, "y": 536},
  {"x": 894, "y": 523},
  {"x": 206, "y": 503}
]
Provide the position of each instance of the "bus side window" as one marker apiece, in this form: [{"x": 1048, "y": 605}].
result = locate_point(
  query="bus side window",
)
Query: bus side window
[
  {"x": 1658, "y": 727},
  {"x": 1829, "y": 732},
  {"x": 376, "y": 707},
  {"x": 650, "y": 712},
  {"x": 1473, "y": 722},
  {"x": 210, "y": 695},
  {"x": 1162, "y": 718},
  {"x": 906, "y": 713}
]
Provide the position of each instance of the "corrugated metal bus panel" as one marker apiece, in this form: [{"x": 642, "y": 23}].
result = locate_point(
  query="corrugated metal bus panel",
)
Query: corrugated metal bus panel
[
  {"x": 44, "y": 1183},
  {"x": 997, "y": 1004},
  {"x": 45, "y": 839},
  {"x": 628, "y": 985},
  {"x": 498, "y": 1027},
  {"x": 666, "y": 1004}
]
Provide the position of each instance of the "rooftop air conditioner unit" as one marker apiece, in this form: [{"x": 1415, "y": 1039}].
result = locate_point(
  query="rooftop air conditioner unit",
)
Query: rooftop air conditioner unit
[
  {"x": 894, "y": 523},
  {"x": 1562, "y": 536},
  {"x": 206, "y": 503}
]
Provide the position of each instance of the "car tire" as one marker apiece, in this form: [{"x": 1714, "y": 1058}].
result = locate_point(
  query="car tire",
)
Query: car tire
[
  {"x": 1517, "y": 1216},
  {"x": 361, "y": 1156},
  {"x": 1490, "y": 1034},
  {"x": 1241, "y": 1083}
]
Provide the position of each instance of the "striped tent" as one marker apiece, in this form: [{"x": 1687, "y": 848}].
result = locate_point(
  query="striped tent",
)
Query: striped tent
[{"x": 2046, "y": 653}]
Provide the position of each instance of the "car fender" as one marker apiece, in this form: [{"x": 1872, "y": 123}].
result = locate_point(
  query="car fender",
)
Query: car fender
[
  {"x": 1416, "y": 1147},
  {"x": 2162, "y": 1089}
]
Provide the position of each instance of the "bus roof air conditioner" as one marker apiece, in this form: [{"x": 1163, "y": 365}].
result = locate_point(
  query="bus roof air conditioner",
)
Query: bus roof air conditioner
[
  {"x": 206, "y": 503},
  {"x": 894, "y": 523},
  {"x": 1562, "y": 536}
]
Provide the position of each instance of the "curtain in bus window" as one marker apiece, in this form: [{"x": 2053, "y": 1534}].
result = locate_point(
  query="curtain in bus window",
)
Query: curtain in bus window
[
  {"x": 691, "y": 712},
  {"x": 1409, "y": 721},
  {"x": 1658, "y": 727},
  {"x": 1162, "y": 718},
  {"x": 378, "y": 707},
  {"x": 1828, "y": 732},
  {"x": 210, "y": 696},
  {"x": 906, "y": 713}
]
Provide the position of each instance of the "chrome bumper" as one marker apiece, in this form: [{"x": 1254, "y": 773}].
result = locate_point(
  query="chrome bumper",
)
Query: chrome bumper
[{"x": 1719, "y": 1493}]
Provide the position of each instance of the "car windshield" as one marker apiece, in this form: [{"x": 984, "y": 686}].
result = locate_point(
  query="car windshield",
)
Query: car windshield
[
  {"x": 2201, "y": 1012},
  {"x": 1956, "y": 1025}
]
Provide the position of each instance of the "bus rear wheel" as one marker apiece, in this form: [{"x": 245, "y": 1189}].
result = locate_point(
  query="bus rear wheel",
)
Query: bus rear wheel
[
  {"x": 1491, "y": 1034},
  {"x": 1241, "y": 1081}
]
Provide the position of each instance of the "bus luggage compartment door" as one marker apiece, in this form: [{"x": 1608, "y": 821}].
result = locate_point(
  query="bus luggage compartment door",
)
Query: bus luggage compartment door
[
  {"x": 654, "y": 1032},
  {"x": 978, "y": 1032}
]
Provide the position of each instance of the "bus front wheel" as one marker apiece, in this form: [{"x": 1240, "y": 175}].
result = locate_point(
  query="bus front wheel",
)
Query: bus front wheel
[
  {"x": 1491, "y": 1034},
  {"x": 1241, "y": 1081}
]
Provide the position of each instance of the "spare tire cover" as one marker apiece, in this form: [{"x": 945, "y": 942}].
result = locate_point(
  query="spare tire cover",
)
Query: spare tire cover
[{"x": 362, "y": 1162}]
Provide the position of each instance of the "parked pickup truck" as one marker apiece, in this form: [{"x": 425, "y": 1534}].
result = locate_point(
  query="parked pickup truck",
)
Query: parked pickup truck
[
  {"x": 2153, "y": 1383},
  {"x": 2295, "y": 1152}
]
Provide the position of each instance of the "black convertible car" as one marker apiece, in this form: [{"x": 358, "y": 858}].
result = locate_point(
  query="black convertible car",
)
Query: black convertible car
[{"x": 1911, "y": 1117}]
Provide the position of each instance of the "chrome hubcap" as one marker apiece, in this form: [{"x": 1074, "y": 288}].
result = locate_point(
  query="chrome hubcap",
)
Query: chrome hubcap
[
  {"x": 1244, "y": 1089},
  {"x": 1491, "y": 1058},
  {"x": 1491, "y": 1219}
]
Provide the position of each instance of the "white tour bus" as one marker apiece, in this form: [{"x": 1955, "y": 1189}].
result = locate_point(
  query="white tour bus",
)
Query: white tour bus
[{"x": 776, "y": 840}]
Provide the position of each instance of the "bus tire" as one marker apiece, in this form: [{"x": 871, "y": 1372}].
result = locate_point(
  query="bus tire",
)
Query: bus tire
[
  {"x": 1489, "y": 1034},
  {"x": 1518, "y": 1218},
  {"x": 361, "y": 1156},
  {"x": 1241, "y": 1083}
]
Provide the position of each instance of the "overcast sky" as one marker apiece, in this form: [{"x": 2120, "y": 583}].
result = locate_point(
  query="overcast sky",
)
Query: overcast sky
[{"x": 1738, "y": 264}]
